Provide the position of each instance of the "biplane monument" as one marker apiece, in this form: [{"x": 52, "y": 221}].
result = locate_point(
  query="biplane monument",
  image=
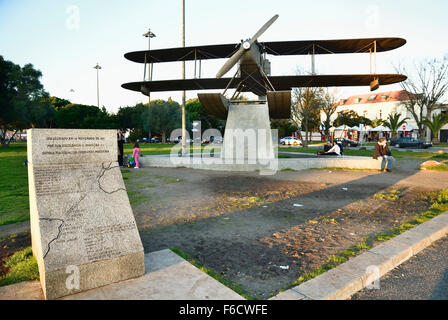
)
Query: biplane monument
[{"x": 254, "y": 75}]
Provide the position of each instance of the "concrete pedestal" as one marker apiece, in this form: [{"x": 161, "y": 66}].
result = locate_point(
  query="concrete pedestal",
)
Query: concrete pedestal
[{"x": 248, "y": 137}]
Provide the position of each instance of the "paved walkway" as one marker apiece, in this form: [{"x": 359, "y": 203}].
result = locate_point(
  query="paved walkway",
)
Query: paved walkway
[
  {"x": 423, "y": 277},
  {"x": 168, "y": 277},
  {"x": 14, "y": 228}
]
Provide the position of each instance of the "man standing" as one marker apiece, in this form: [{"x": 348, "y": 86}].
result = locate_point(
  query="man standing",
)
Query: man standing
[
  {"x": 382, "y": 150},
  {"x": 120, "y": 147}
]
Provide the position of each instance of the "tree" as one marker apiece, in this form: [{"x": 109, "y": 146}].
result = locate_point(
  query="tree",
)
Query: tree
[
  {"x": 79, "y": 116},
  {"x": 284, "y": 127},
  {"x": 437, "y": 122},
  {"x": 195, "y": 112},
  {"x": 162, "y": 117},
  {"x": 131, "y": 117},
  {"x": 20, "y": 90},
  {"x": 305, "y": 109},
  {"x": 350, "y": 118},
  {"x": 57, "y": 102},
  {"x": 376, "y": 122},
  {"x": 41, "y": 115},
  {"x": 426, "y": 89},
  {"x": 328, "y": 107},
  {"x": 394, "y": 123}
]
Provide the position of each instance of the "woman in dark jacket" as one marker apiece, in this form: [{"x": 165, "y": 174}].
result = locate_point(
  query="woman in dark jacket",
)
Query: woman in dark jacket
[{"x": 382, "y": 150}]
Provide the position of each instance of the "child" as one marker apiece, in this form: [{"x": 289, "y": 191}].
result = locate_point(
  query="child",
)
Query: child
[{"x": 136, "y": 155}]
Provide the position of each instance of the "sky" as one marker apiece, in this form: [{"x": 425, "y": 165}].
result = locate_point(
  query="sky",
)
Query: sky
[{"x": 65, "y": 39}]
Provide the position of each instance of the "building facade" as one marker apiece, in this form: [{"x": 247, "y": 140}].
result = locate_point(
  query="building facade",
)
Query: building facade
[{"x": 380, "y": 105}]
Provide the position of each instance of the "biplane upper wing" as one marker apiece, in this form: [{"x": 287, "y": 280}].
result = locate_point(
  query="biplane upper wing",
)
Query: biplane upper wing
[
  {"x": 275, "y": 48},
  {"x": 183, "y": 54},
  {"x": 331, "y": 46},
  {"x": 278, "y": 82}
]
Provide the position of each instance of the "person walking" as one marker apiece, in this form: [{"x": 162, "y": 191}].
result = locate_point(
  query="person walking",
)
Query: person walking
[
  {"x": 382, "y": 150},
  {"x": 136, "y": 155}
]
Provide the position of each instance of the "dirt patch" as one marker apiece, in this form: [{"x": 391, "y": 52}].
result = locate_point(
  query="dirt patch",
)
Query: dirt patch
[
  {"x": 9, "y": 245},
  {"x": 263, "y": 232}
]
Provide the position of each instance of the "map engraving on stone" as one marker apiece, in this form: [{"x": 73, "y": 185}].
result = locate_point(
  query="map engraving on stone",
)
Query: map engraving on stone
[{"x": 80, "y": 211}]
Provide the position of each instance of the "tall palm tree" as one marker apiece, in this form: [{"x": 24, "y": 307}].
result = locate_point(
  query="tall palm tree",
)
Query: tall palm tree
[
  {"x": 394, "y": 123},
  {"x": 438, "y": 121}
]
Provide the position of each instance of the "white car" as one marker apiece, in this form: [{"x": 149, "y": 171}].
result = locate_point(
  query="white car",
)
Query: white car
[{"x": 291, "y": 141}]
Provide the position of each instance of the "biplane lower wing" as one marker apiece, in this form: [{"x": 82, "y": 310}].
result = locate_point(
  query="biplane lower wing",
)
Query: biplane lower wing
[
  {"x": 288, "y": 82},
  {"x": 179, "y": 85},
  {"x": 278, "y": 82}
]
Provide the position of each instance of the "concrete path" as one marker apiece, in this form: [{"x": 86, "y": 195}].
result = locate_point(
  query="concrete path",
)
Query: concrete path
[
  {"x": 423, "y": 277},
  {"x": 168, "y": 277},
  {"x": 364, "y": 270},
  {"x": 14, "y": 228}
]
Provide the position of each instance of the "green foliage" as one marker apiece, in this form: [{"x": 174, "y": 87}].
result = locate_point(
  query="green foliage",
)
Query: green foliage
[
  {"x": 394, "y": 123},
  {"x": 81, "y": 116},
  {"x": 194, "y": 109},
  {"x": 306, "y": 103},
  {"x": 284, "y": 127},
  {"x": 442, "y": 197},
  {"x": 328, "y": 108},
  {"x": 20, "y": 92},
  {"x": 437, "y": 122},
  {"x": 350, "y": 118},
  {"x": 22, "y": 267},
  {"x": 195, "y": 112},
  {"x": 162, "y": 117},
  {"x": 376, "y": 122},
  {"x": 57, "y": 102},
  {"x": 391, "y": 196},
  {"x": 136, "y": 133},
  {"x": 132, "y": 118}
]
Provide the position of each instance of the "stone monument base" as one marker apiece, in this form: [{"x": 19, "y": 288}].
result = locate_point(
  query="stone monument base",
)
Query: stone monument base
[{"x": 248, "y": 136}]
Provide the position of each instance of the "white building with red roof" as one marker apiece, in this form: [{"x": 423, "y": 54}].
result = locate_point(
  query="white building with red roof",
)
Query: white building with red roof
[{"x": 380, "y": 105}]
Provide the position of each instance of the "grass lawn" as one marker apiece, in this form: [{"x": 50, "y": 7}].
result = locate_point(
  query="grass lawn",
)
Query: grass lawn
[
  {"x": 154, "y": 149},
  {"x": 14, "y": 204},
  {"x": 22, "y": 266}
]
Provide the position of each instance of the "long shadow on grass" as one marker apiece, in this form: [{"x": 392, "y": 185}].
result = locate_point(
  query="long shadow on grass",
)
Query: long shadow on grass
[{"x": 229, "y": 244}]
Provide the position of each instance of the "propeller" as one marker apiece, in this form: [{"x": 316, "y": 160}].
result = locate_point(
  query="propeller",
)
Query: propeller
[{"x": 243, "y": 48}]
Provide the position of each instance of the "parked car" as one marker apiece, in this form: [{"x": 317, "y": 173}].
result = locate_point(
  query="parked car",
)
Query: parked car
[
  {"x": 142, "y": 140},
  {"x": 408, "y": 142},
  {"x": 346, "y": 142},
  {"x": 179, "y": 139},
  {"x": 156, "y": 140},
  {"x": 291, "y": 141},
  {"x": 217, "y": 139}
]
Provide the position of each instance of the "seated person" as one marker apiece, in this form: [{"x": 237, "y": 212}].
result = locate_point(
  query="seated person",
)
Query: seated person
[
  {"x": 382, "y": 151},
  {"x": 334, "y": 151}
]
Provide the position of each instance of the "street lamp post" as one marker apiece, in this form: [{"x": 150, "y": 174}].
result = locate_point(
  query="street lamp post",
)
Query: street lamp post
[
  {"x": 183, "y": 77},
  {"x": 97, "y": 67},
  {"x": 149, "y": 35}
]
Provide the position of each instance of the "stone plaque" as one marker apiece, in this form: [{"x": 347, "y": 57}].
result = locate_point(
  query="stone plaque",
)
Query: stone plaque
[{"x": 83, "y": 230}]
